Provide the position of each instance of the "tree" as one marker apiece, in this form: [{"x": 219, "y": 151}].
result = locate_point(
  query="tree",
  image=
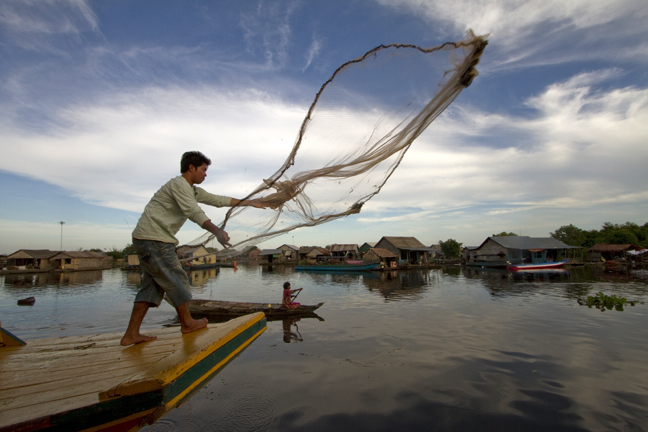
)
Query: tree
[
  {"x": 504, "y": 234},
  {"x": 570, "y": 234},
  {"x": 451, "y": 248}
]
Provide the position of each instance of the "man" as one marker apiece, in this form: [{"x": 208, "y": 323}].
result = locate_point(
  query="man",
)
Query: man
[{"x": 154, "y": 241}]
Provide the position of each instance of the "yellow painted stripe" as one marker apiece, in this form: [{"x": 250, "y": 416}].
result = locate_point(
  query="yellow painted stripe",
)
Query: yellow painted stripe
[
  {"x": 170, "y": 375},
  {"x": 213, "y": 369},
  {"x": 118, "y": 421}
]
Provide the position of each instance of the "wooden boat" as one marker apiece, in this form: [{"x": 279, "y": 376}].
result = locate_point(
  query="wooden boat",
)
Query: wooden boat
[
  {"x": 537, "y": 266},
  {"x": 78, "y": 383},
  {"x": 233, "y": 309},
  {"x": 338, "y": 267}
]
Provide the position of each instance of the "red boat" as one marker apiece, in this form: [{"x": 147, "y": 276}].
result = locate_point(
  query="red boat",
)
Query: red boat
[{"x": 537, "y": 266}]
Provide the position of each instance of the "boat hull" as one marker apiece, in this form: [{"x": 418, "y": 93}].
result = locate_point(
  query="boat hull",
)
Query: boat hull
[
  {"x": 341, "y": 267},
  {"x": 537, "y": 266},
  {"x": 218, "y": 308}
]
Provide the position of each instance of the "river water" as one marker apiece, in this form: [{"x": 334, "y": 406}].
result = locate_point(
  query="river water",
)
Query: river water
[{"x": 434, "y": 350}]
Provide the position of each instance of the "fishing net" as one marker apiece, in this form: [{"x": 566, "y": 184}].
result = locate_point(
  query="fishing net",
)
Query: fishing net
[{"x": 362, "y": 122}]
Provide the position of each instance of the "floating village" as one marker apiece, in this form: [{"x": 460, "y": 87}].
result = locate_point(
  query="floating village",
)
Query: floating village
[{"x": 515, "y": 253}]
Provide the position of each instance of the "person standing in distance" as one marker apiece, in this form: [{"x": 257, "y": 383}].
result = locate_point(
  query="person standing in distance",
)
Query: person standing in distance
[{"x": 155, "y": 242}]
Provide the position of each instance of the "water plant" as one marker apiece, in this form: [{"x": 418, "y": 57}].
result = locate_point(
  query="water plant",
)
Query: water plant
[{"x": 602, "y": 301}]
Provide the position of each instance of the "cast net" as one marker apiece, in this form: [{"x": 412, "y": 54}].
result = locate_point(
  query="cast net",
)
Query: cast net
[{"x": 362, "y": 122}]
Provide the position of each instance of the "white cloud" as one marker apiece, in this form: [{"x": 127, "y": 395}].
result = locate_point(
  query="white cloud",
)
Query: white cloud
[
  {"x": 119, "y": 151},
  {"x": 534, "y": 32}
]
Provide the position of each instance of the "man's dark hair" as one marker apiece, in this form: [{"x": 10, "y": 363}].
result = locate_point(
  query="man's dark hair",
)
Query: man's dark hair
[{"x": 194, "y": 158}]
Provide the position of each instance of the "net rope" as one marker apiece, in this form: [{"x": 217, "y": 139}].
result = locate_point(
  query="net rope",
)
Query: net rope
[{"x": 361, "y": 123}]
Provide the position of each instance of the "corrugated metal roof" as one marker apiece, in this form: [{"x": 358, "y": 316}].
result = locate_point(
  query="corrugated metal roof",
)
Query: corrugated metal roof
[
  {"x": 525, "y": 242},
  {"x": 271, "y": 251},
  {"x": 344, "y": 247}
]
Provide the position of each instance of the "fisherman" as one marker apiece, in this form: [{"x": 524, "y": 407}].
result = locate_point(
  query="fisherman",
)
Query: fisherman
[{"x": 155, "y": 242}]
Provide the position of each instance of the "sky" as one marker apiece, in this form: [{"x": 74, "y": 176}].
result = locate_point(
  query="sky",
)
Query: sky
[{"x": 99, "y": 99}]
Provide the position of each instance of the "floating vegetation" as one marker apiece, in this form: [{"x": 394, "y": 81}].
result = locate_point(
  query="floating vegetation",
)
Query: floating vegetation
[{"x": 603, "y": 302}]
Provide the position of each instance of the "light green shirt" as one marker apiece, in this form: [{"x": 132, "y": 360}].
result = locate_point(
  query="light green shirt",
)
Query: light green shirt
[{"x": 170, "y": 208}]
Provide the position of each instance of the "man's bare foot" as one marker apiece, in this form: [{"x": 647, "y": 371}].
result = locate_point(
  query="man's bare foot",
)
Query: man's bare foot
[
  {"x": 139, "y": 338},
  {"x": 193, "y": 325}
]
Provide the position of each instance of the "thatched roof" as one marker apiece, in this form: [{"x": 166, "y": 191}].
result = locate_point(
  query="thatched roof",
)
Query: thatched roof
[
  {"x": 383, "y": 253},
  {"x": 613, "y": 247},
  {"x": 33, "y": 254},
  {"x": 406, "y": 243}
]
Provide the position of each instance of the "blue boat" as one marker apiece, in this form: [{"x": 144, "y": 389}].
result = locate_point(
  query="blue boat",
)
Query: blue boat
[{"x": 338, "y": 267}]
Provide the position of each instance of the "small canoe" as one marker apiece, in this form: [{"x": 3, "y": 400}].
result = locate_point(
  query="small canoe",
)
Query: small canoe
[
  {"x": 338, "y": 267},
  {"x": 83, "y": 383},
  {"x": 537, "y": 266},
  {"x": 232, "y": 309}
]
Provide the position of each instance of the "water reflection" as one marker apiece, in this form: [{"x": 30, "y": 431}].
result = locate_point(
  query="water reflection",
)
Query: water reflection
[
  {"x": 401, "y": 285},
  {"x": 290, "y": 335}
]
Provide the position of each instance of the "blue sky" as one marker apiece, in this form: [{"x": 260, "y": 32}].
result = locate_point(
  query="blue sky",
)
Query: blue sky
[{"x": 98, "y": 100}]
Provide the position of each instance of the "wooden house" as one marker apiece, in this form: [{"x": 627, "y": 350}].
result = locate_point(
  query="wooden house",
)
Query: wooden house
[
  {"x": 600, "y": 252},
  {"x": 386, "y": 258},
  {"x": 289, "y": 252},
  {"x": 253, "y": 253},
  {"x": 344, "y": 251},
  {"x": 80, "y": 260},
  {"x": 365, "y": 247},
  {"x": 31, "y": 259},
  {"x": 200, "y": 256},
  {"x": 271, "y": 256},
  {"x": 313, "y": 253},
  {"x": 131, "y": 261},
  {"x": 408, "y": 249},
  {"x": 503, "y": 251}
]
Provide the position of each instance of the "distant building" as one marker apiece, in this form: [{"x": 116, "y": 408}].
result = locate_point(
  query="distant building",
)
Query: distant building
[
  {"x": 502, "y": 251},
  {"x": 365, "y": 247},
  {"x": 80, "y": 260},
  {"x": 313, "y": 253},
  {"x": 408, "y": 249},
  {"x": 385, "y": 257},
  {"x": 196, "y": 256},
  {"x": 271, "y": 256},
  {"x": 344, "y": 251},
  {"x": 600, "y": 252},
  {"x": 289, "y": 252},
  {"x": 30, "y": 258}
]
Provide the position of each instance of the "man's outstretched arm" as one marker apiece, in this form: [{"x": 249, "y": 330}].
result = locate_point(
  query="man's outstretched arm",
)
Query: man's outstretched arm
[{"x": 257, "y": 202}]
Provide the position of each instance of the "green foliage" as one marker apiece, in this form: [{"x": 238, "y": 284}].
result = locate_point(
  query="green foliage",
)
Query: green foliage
[
  {"x": 504, "y": 234},
  {"x": 570, "y": 234},
  {"x": 627, "y": 233},
  {"x": 451, "y": 248},
  {"x": 603, "y": 302}
]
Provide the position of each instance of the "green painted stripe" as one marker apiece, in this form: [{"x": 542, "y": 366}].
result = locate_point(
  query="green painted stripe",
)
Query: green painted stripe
[{"x": 199, "y": 370}]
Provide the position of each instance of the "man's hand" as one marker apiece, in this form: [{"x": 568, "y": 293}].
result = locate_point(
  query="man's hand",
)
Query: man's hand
[
  {"x": 222, "y": 236},
  {"x": 258, "y": 203}
]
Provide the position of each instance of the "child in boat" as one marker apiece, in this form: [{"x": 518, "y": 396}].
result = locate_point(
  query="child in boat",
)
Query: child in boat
[{"x": 289, "y": 295}]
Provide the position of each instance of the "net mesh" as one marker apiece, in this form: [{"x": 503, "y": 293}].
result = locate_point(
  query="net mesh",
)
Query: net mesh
[{"x": 362, "y": 122}]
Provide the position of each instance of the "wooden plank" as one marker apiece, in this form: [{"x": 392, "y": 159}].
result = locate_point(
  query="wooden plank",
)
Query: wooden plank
[{"x": 49, "y": 378}]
